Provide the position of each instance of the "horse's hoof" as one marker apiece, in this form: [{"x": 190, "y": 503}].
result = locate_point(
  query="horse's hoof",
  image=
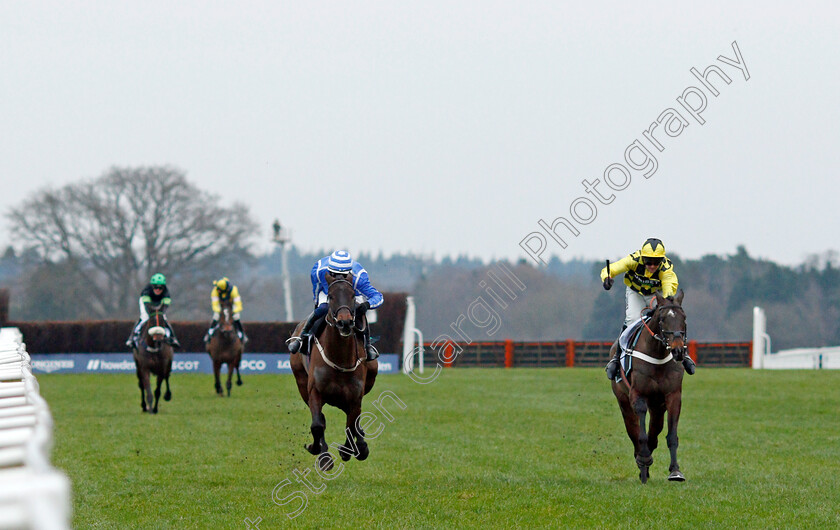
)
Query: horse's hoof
[
  {"x": 325, "y": 461},
  {"x": 345, "y": 452},
  {"x": 167, "y": 396},
  {"x": 312, "y": 449},
  {"x": 154, "y": 411},
  {"x": 239, "y": 383},
  {"x": 364, "y": 451},
  {"x": 676, "y": 476}
]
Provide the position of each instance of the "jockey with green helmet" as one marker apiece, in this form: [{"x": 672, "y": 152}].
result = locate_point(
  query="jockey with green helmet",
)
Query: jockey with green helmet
[
  {"x": 645, "y": 271},
  {"x": 154, "y": 297},
  {"x": 224, "y": 291}
]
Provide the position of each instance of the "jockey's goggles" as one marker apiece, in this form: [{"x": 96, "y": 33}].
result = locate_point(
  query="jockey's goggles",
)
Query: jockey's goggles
[{"x": 652, "y": 261}]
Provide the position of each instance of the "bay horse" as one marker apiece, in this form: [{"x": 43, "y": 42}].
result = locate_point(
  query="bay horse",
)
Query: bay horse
[
  {"x": 654, "y": 385},
  {"x": 338, "y": 373},
  {"x": 225, "y": 348},
  {"x": 153, "y": 355}
]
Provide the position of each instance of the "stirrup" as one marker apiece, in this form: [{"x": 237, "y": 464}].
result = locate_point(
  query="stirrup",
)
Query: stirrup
[
  {"x": 612, "y": 369},
  {"x": 294, "y": 344},
  {"x": 689, "y": 365}
]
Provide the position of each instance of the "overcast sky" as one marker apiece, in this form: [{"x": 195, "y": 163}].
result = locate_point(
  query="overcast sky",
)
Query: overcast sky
[{"x": 441, "y": 127}]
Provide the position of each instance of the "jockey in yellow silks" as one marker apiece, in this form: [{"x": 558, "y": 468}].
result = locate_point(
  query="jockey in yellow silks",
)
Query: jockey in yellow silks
[
  {"x": 223, "y": 291},
  {"x": 645, "y": 271}
]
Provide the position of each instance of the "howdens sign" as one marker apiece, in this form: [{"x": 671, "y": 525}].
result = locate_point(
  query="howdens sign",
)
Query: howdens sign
[{"x": 255, "y": 363}]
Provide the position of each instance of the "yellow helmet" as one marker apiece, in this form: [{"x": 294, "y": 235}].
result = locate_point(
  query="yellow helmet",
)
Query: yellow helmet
[
  {"x": 223, "y": 285},
  {"x": 653, "y": 248}
]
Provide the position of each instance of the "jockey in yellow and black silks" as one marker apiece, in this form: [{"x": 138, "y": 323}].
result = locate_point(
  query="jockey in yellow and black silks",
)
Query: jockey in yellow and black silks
[
  {"x": 224, "y": 291},
  {"x": 646, "y": 271}
]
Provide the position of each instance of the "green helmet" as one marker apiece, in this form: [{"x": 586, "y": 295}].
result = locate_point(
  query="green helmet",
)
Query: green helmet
[{"x": 158, "y": 279}]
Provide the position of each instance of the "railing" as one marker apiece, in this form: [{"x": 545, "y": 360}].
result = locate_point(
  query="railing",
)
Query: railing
[
  {"x": 32, "y": 493},
  {"x": 568, "y": 353}
]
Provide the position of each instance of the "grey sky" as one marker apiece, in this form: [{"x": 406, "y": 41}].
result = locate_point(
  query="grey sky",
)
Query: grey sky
[{"x": 439, "y": 127}]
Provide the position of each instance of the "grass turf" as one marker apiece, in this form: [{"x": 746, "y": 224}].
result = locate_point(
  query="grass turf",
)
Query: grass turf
[{"x": 476, "y": 448}]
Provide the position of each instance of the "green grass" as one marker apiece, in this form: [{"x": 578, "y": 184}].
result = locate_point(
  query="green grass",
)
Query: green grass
[{"x": 476, "y": 448}]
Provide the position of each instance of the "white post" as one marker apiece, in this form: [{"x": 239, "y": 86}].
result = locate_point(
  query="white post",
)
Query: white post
[
  {"x": 282, "y": 236},
  {"x": 287, "y": 283},
  {"x": 408, "y": 335},
  {"x": 759, "y": 337}
]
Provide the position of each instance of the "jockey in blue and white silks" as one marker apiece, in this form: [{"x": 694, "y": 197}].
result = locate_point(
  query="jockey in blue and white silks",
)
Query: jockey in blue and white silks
[{"x": 367, "y": 297}]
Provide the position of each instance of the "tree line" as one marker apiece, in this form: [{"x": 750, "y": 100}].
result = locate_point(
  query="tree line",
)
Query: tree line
[{"x": 84, "y": 251}]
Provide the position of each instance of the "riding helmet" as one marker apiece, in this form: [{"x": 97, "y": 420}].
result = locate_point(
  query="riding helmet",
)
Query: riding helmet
[{"x": 653, "y": 248}]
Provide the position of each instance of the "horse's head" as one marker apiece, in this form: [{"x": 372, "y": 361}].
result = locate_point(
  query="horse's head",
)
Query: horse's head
[
  {"x": 155, "y": 332},
  {"x": 225, "y": 320},
  {"x": 669, "y": 318},
  {"x": 342, "y": 302}
]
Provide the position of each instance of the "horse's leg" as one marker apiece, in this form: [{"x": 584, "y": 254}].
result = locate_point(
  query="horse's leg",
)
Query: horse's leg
[
  {"x": 657, "y": 418},
  {"x": 142, "y": 389},
  {"x": 673, "y": 402},
  {"x": 238, "y": 377},
  {"x": 157, "y": 393},
  {"x": 359, "y": 448},
  {"x": 217, "y": 366},
  {"x": 631, "y": 421},
  {"x": 643, "y": 459},
  {"x": 168, "y": 395},
  {"x": 319, "y": 425},
  {"x": 147, "y": 388},
  {"x": 230, "y": 376}
]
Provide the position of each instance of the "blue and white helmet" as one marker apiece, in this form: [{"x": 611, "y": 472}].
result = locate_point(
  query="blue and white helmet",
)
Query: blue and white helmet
[{"x": 340, "y": 262}]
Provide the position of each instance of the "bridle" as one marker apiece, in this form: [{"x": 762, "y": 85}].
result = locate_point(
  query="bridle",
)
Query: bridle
[
  {"x": 666, "y": 337},
  {"x": 334, "y": 314}
]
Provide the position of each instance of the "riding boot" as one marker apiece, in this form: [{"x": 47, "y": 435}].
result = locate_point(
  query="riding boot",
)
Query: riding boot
[
  {"x": 612, "y": 366},
  {"x": 372, "y": 353},
  {"x": 209, "y": 334},
  {"x": 132, "y": 338},
  {"x": 294, "y": 343},
  {"x": 172, "y": 340},
  {"x": 689, "y": 365},
  {"x": 241, "y": 332}
]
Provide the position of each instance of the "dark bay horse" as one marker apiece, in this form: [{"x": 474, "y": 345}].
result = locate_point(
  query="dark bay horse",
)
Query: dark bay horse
[
  {"x": 225, "y": 348},
  {"x": 655, "y": 385},
  {"x": 338, "y": 374},
  {"x": 153, "y": 355}
]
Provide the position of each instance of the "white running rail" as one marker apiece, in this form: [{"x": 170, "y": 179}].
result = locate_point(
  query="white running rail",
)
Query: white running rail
[
  {"x": 33, "y": 494},
  {"x": 796, "y": 359}
]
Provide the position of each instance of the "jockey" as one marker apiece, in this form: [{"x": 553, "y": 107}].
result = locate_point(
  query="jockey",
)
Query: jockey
[
  {"x": 155, "y": 297},
  {"x": 339, "y": 262},
  {"x": 223, "y": 291},
  {"x": 645, "y": 271}
]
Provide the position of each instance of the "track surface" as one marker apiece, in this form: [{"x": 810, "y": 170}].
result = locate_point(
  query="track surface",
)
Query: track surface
[{"x": 476, "y": 448}]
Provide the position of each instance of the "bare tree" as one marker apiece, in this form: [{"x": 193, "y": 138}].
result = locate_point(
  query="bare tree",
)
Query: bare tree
[{"x": 115, "y": 231}]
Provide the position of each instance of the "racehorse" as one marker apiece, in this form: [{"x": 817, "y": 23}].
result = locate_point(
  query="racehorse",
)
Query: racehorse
[
  {"x": 654, "y": 384},
  {"x": 225, "y": 348},
  {"x": 337, "y": 374},
  {"x": 153, "y": 355}
]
